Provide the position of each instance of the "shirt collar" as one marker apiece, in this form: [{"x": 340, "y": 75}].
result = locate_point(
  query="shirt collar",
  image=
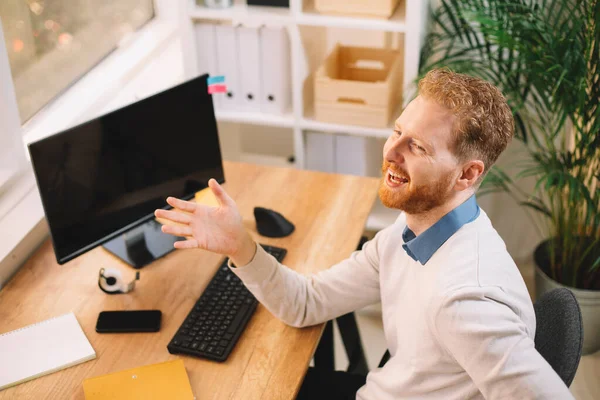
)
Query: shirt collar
[{"x": 421, "y": 248}]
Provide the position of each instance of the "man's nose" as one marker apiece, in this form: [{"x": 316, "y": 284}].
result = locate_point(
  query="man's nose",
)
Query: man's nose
[{"x": 394, "y": 151}]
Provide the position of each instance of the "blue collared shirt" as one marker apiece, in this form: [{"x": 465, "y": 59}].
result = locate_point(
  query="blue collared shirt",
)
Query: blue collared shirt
[{"x": 421, "y": 248}]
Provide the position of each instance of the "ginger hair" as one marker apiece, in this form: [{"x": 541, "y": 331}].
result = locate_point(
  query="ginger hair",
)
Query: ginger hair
[{"x": 484, "y": 122}]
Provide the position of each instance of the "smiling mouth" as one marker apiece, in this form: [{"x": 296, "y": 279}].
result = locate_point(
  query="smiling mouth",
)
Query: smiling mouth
[{"x": 394, "y": 179}]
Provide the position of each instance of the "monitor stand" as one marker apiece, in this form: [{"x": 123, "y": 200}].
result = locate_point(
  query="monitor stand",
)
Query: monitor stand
[{"x": 142, "y": 244}]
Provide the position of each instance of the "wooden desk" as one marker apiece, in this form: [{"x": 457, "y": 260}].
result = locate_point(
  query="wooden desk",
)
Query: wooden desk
[{"x": 271, "y": 358}]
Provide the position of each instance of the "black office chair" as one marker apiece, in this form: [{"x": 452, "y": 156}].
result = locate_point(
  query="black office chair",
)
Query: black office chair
[{"x": 558, "y": 333}]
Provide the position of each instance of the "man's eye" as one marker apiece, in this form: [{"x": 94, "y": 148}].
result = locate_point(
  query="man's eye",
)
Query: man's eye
[
  {"x": 419, "y": 148},
  {"x": 398, "y": 133}
]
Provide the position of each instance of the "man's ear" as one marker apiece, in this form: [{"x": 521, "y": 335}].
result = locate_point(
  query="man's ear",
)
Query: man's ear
[{"x": 471, "y": 172}]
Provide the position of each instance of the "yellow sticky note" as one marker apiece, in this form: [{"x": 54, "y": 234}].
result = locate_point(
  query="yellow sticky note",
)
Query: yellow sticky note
[
  {"x": 168, "y": 380},
  {"x": 206, "y": 197}
]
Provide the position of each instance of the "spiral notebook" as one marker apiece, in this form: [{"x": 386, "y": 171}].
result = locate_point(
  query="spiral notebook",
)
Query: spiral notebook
[{"x": 41, "y": 349}]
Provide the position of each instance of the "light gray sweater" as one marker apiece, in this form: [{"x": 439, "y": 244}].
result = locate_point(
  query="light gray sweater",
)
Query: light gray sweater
[{"x": 460, "y": 327}]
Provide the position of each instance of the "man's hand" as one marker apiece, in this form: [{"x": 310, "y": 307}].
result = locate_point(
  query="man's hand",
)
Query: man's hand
[{"x": 217, "y": 229}]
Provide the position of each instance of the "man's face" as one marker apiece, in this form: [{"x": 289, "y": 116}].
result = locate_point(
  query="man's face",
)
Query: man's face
[{"x": 419, "y": 170}]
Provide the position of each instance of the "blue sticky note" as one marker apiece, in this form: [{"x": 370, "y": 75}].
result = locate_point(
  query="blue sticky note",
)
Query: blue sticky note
[{"x": 216, "y": 79}]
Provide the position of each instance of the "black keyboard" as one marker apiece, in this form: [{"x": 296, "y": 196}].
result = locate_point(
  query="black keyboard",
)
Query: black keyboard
[{"x": 217, "y": 320}]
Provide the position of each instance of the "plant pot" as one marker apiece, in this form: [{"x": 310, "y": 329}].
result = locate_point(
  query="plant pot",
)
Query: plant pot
[{"x": 589, "y": 302}]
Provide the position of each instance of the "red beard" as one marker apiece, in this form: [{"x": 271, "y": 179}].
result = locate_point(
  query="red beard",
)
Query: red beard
[{"x": 411, "y": 198}]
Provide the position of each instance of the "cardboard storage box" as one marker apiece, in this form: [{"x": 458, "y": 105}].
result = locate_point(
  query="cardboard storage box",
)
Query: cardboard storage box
[
  {"x": 359, "y": 86},
  {"x": 370, "y": 8}
]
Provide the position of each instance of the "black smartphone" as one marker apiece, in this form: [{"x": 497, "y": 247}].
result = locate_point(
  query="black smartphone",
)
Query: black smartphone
[{"x": 128, "y": 321}]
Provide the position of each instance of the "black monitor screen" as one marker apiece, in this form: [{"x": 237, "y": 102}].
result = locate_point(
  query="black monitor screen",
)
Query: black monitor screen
[{"x": 105, "y": 176}]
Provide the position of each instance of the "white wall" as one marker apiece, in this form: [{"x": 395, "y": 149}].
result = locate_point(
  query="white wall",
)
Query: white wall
[{"x": 513, "y": 221}]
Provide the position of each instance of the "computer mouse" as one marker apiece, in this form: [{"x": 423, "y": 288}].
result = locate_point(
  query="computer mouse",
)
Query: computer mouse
[{"x": 272, "y": 224}]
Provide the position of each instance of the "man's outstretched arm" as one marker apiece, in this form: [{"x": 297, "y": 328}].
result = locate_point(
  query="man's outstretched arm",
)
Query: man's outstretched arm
[
  {"x": 301, "y": 300},
  {"x": 294, "y": 298}
]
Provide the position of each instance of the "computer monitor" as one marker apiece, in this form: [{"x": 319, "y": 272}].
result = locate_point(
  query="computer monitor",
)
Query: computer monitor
[{"x": 101, "y": 181}]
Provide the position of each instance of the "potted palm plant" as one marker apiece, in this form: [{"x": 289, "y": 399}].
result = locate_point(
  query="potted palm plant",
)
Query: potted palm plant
[{"x": 545, "y": 57}]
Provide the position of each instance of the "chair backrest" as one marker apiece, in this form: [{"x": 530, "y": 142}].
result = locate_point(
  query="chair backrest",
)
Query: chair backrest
[
  {"x": 559, "y": 331},
  {"x": 558, "y": 334}
]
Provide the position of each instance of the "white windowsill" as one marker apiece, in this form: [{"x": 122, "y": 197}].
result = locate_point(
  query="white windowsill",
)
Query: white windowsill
[
  {"x": 22, "y": 229},
  {"x": 22, "y": 223}
]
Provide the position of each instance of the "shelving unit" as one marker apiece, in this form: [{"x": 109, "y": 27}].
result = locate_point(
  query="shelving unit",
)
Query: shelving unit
[
  {"x": 239, "y": 12},
  {"x": 408, "y": 22},
  {"x": 310, "y": 17},
  {"x": 263, "y": 159},
  {"x": 309, "y": 124},
  {"x": 255, "y": 118}
]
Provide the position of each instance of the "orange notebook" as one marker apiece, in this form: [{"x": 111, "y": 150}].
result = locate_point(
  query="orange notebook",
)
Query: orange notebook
[{"x": 166, "y": 380}]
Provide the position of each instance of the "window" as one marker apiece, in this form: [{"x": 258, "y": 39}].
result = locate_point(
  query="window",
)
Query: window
[
  {"x": 52, "y": 43},
  {"x": 12, "y": 156}
]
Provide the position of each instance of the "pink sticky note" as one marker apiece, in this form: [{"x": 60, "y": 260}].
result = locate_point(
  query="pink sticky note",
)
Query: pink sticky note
[{"x": 217, "y": 89}]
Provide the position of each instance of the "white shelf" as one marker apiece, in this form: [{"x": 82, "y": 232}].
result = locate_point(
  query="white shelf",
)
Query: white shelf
[
  {"x": 396, "y": 23},
  {"x": 265, "y": 159},
  {"x": 240, "y": 12},
  {"x": 256, "y": 118},
  {"x": 381, "y": 217},
  {"x": 310, "y": 124}
]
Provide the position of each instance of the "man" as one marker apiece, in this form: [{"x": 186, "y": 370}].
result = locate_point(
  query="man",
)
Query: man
[{"x": 458, "y": 320}]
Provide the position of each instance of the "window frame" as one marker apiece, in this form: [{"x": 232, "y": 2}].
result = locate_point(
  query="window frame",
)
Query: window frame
[{"x": 10, "y": 127}]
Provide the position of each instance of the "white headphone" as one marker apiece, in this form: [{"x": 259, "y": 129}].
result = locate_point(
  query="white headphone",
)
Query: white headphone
[{"x": 110, "y": 280}]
